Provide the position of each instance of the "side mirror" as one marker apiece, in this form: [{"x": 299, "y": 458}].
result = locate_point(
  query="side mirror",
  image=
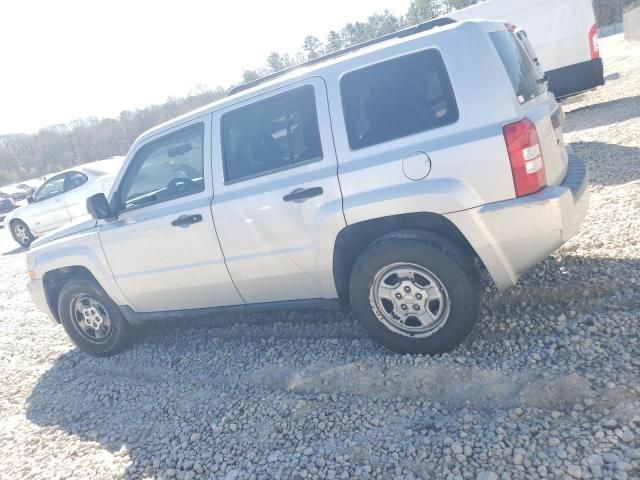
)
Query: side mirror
[
  {"x": 98, "y": 206},
  {"x": 30, "y": 199}
]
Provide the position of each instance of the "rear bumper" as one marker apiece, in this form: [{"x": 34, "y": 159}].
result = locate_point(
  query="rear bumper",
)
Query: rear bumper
[
  {"x": 513, "y": 235},
  {"x": 36, "y": 290},
  {"x": 576, "y": 78}
]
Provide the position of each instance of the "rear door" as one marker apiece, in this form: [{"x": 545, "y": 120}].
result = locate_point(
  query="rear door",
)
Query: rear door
[
  {"x": 536, "y": 103},
  {"x": 277, "y": 203}
]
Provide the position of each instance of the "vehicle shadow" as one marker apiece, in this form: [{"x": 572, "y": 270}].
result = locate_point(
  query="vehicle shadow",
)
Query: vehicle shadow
[
  {"x": 609, "y": 164},
  {"x": 600, "y": 114},
  {"x": 176, "y": 388},
  {"x": 581, "y": 283},
  {"x": 15, "y": 251}
]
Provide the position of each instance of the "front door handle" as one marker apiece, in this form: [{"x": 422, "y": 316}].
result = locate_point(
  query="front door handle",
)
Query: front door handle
[
  {"x": 301, "y": 194},
  {"x": 186, "y": 220}
]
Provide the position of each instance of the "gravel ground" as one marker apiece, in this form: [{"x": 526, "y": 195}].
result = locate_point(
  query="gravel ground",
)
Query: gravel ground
[{"x": 548, "y": 385}]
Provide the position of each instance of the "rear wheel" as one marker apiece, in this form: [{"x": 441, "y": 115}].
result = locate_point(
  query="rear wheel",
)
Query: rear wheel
[
  {"x": 91, "y": 319},
  {"x": 416, "y": 292},
  {"x": 21, "y": 233}
]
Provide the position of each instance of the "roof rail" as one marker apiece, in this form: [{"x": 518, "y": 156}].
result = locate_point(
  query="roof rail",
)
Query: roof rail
[{"x": 421, "y": 27}]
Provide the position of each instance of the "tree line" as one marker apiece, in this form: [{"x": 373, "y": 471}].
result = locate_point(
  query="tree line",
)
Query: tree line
[{"x": 57, "y": 147}]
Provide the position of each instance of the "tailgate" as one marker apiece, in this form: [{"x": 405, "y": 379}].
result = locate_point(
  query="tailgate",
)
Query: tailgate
[
  {"x": 549, "y": 118},
  {"x": 536, "y": 103}
]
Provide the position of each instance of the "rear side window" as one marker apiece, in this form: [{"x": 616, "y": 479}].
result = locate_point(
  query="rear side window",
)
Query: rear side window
[
  {"x": 397, "y": 98},
  {"x": 272, "y": 135},
  {"x": 74, "y": 180},
  {"x": 519, "y": 66}
]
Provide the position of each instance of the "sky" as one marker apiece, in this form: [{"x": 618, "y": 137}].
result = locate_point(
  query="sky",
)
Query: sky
[{"x": 66, "y": 59}]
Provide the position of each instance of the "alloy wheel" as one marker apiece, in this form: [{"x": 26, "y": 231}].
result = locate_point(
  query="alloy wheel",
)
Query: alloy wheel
[{"x": 409, "y": 300}]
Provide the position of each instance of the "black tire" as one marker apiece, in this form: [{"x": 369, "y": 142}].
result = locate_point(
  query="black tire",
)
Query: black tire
[
  {"x": 24, "y": 237},
  {"x": 455, "y": 271},
  {"x": 120, "y": 333}
]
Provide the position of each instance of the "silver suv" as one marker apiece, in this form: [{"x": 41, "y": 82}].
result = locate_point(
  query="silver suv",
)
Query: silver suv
[{"x": 384, "y": 177}]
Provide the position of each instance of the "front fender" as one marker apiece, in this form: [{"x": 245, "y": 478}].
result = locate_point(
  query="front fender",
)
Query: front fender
[
  {"x": 82, "y": 250},
  {"x": 19, "y": 213}
]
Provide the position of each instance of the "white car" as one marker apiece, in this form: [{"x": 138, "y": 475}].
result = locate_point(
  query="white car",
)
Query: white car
[
  {"x": 59, "y": 200},
  {"x": 384, "y": 177}
]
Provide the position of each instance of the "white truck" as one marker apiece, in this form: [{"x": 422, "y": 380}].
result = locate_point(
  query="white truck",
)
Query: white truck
[{"x": 564, "y": 34}]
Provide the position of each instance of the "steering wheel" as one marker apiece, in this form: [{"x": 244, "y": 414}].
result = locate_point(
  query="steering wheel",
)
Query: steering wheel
[
  {"x": 435, "y": 101},
  {"x": 187, "y": 170},
  {"x": 179, "y": 186}
]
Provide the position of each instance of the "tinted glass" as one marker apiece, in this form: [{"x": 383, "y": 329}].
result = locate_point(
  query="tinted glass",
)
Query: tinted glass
[
  {"x": 51, "y": 188},
  {"x": 397, "y": 98},
  {"x": 74, "y": 180},
  {"x": 271, "y": 135},
  {"x": 167, "y": 168},
  {"x": 519, "y": 66}
]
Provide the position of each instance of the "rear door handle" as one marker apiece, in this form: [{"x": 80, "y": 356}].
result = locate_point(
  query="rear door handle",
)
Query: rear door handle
[
  {"x": 186, "y": 220},
  {"x": 301, "y": 194}
]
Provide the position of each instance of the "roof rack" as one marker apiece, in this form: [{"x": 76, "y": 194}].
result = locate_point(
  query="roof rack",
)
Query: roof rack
[{"x": 421, "y": 27}]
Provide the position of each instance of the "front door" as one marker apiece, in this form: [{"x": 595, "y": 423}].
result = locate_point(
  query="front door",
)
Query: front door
[
  {"x": 277, "y": 203},
  {"x": 163, "y": 249},
  {"x": 48, "y": 211}
]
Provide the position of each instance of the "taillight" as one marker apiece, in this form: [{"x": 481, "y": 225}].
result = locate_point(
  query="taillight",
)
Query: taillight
[
  {"x": 593, "y": 42},
  {"x": 525, "y": 156}
]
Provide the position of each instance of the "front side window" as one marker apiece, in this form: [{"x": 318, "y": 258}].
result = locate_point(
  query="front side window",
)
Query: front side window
[
  {"x": 397, "y": 98},
  {"x": 271, "y": 135},
  {"x": 170, "y": 167},
  {"x": 74, "y": 180},
  {"x": 50, "y": 188}
]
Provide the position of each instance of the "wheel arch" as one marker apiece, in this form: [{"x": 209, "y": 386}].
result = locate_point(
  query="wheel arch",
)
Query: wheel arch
[
  {"x": 22, "y": 219},
  {"x": 13, "y": 220},
  {"x": 354, "y": 239},
  {"x": 11, "y": 223},
  {"x": 55, "y": 279}
]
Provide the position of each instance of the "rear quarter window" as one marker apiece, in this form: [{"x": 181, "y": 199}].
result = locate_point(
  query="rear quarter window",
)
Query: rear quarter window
[
  {"x": 397, "y": 98},
  {"x": 518, "y": 64}
]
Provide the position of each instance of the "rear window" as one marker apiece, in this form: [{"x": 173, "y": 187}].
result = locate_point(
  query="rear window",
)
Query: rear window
[
  {"x": 519, "y": 66},
  {"x": 397, "y": 98}
]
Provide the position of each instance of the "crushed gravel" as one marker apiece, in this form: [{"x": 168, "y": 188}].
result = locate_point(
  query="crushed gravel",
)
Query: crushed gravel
[{"x": 547, "y": 386}]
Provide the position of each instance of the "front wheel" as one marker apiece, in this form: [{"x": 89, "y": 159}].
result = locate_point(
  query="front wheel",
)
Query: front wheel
[
  {"x": 21, "y": 233},
  {"x": 91, "y": 319},
  {"x": 416, "y": 292}
]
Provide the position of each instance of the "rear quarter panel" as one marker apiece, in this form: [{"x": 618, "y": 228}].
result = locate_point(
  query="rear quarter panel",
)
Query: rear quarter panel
[{"x": 469, "y": 162}]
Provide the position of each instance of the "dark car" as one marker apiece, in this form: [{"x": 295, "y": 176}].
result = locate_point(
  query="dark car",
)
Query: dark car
[
  {"x": 6, "y": 206},
  {"x": 22, "y": 191}
]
